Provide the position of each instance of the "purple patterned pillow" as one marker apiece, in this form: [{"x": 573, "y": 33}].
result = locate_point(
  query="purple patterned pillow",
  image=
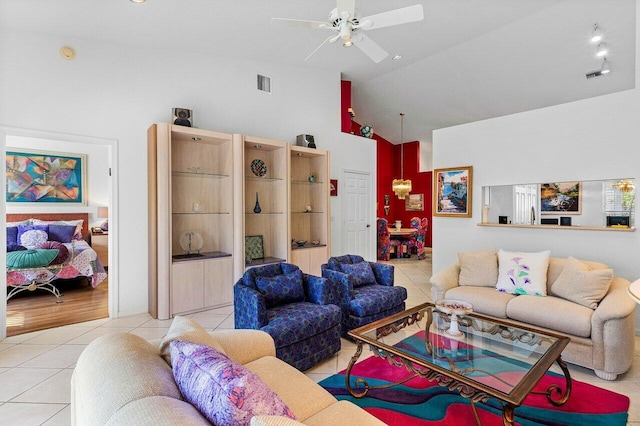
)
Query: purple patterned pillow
[
  {"x": 61, "y": 233},
  {"x": 359, "y": 273},
  {"x": 63, "y": 251},
  {"x": 225, "y": 392},
  {"x": 32, "y": 235},
  {"x": 281, "y": 289},
  {"x": 12, "y": 235},
  {"x": 15, "y": 247}
]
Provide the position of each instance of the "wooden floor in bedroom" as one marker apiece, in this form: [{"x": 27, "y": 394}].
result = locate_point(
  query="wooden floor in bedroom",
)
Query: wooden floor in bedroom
[{"x": 33, "y": 311}]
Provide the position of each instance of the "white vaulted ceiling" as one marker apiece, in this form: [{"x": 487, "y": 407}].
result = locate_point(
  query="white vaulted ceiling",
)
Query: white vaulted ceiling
[{"x": 468, "y": 60}]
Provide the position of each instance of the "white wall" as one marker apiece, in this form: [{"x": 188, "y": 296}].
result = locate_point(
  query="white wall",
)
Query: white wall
[
  {"x": 96, "y": 169},
  {"x": 116, "y": 92}
]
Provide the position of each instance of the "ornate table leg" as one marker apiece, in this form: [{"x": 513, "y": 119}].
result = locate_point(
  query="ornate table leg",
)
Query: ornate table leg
[
  {"x": 507, "y": 415},
  {"x": 555, "y": 389},
  {"x": 347, "y": 376}
]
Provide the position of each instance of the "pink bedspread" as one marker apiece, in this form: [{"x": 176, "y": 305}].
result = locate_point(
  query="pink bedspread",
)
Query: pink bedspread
[{"x": 84, "y": 263}]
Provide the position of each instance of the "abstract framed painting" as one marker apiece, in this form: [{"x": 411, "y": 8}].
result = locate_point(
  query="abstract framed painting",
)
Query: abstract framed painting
[
  {"x": 414, "y": 202},
  {"x": 561, "y": 197},
  {"x": 45, "y": 177},
  {"x": 452, "y": 189}
]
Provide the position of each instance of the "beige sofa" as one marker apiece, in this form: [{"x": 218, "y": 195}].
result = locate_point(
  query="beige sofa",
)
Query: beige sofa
[
  {"x": 602, "y": 339},
  {"x": 121, "y": 379}
]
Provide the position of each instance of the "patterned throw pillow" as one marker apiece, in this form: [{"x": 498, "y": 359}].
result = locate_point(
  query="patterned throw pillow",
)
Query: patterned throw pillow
[
  {"x": 281, "y": 289},
  {"x": 225, "y": 392},
  {"x": 12, "y": 235},
  {"x": 63, "y": 251},
  {"x": 30, "y": 258},
  {"x": 523, "y": 273},
  {"x": 335, "y": 262},
  {"x": 15, "y": 247},
  {"x": 77, "y": 223},
  {"x": 32, "y": 235},
  {"x": 580, "y": 285},
  {"x": 359, "y": 273}
]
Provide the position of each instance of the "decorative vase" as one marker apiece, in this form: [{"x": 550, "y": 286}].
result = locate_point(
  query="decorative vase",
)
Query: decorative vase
[
  {"x": 485, "y": 214},
  {"x": 312, "y": 177},
  {"x": 256, "y": 208},
  {"x": 398, "y": 224}
]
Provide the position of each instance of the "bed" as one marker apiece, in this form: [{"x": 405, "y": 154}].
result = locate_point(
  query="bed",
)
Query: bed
[{"x": 66, "y": 237}]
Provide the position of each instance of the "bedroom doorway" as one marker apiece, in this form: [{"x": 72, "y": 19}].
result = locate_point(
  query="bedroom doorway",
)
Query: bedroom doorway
[{"x": 81, "y": 301}]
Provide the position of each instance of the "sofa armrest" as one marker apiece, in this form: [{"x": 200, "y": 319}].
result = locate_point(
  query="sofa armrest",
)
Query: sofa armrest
[
  {"x": 320, "y": 290},
  {"x": 383, "y": 273},
  {"x": 250, "y": 307},
  {"x": 244, "y": 346},
  {"x": 443, "y": 281},
  {"x": 613, "y": 329}
]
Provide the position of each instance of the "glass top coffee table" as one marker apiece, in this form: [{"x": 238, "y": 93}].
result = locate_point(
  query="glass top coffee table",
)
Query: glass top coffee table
[{"x": 465, "y": 352}]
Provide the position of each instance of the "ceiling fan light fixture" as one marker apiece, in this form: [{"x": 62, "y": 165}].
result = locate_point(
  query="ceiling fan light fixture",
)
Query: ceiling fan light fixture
[
  {"x": 602, "y": 49},
  {"x": 596, "y": 34}
]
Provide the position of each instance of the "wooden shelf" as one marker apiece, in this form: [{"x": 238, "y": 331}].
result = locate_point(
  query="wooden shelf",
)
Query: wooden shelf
[{"x": 568, "y": 228}]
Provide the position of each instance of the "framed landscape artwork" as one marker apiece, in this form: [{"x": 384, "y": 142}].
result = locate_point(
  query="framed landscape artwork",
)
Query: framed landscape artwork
[
  {"x": 561, "y": 197},
  {"x": 414, "y": 202},
  {"x": 45, "y": 177},
  {"x": 452, "y": 189}
]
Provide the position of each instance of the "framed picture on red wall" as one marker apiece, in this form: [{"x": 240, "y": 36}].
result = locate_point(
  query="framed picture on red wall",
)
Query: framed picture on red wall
[
  {"x": 452, "y": 189},
  {"x": 414, "y": 203}
]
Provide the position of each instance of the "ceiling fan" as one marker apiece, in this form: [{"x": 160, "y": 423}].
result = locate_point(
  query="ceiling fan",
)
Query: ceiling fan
[{"x": 346, "y": 22}]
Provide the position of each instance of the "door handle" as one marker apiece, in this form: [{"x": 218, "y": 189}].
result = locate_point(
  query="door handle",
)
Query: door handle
[{"x": 368, "y": 226}]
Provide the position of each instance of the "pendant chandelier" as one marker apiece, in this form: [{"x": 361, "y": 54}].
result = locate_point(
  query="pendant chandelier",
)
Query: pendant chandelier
[
  {"x": 401, "y": 187},
  {"x": 625, "y": 185}
]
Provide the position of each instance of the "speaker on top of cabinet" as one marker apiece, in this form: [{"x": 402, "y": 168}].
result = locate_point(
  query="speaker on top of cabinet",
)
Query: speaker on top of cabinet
[
  {"x": 306, "y": 141},
  {"x": 182, "y": 117}
]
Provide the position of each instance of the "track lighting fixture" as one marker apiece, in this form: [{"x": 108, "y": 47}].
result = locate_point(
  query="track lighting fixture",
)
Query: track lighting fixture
[
  {"x": 596, "y": 34},
  {"x": 606, "y": 67},
  {"x": 602, "y": 49}
]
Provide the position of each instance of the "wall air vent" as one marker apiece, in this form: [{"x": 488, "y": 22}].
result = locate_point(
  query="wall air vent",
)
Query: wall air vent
[{"x": 264, "y": 83}]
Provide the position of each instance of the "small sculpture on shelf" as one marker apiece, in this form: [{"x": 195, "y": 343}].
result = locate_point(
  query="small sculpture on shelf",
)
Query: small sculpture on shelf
[
  {"x": 257, "y": 208},
  {"x": 312, "y": 177},
  {"x": 307, "y": 208}
]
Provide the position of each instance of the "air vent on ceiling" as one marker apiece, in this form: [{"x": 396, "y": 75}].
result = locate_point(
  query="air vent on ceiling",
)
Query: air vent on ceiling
[{"x": 264, "y": 83}]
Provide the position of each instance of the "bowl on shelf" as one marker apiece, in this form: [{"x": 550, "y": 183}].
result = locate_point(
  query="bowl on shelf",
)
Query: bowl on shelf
[{"x": 301, "y": 243}]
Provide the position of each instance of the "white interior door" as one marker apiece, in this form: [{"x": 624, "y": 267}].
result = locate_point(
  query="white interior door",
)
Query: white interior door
[{"x": 357, "y": 217}]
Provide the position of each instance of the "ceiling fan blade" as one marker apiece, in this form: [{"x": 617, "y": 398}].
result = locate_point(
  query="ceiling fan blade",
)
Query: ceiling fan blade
[
  {"x": 370, "y": 48},
  {"x": 318, "y": 48},
  {"x": 298, "y": 23},
  {"x": 393, "y": 17},
  {"x": 348, "y": 6}
]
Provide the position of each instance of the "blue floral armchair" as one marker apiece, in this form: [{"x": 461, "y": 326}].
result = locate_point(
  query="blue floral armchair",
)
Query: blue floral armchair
[
  {"x": 366, "y": 290},
  {"x": 298, "y": 310}
]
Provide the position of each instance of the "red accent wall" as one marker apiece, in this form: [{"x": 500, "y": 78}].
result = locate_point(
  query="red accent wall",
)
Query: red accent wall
[{"x": 388, "y": 168}]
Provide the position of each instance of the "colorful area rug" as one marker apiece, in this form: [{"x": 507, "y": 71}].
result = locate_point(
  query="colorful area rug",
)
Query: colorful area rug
[{"x": 420, "y": 402}]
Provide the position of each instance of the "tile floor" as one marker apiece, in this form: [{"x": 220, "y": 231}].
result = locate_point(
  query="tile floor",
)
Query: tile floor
[{"x": 35, "y": 368}]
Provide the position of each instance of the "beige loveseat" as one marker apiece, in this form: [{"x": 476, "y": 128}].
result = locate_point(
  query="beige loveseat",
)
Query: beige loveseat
[
  {"x": 121, "y": 379},
  {"x": 602, "y": 339}
]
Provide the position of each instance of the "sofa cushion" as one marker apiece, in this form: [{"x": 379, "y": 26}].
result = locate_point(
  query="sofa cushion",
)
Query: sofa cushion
[
  {"x": 556, "y": 266},
  {"x": 359, "y": 273},
  {"x": 304, "y": 396},
  {"x": 224, "y": 391},
  {"x": 183, "y": 328},
  {"x": 523, "y": 273},
  {"x": 553, "y": 313},
  {"x": 580, "y": 285},
  {"x": 485, "y": 300},
  {"x": 281, "y": 289},
  {"x": 478, "y": 268},
  {"x": 372, "y": 299},
  {"x": 274, "y": 421},
  {"x": 335, "y": 261},
  {"x": 294, "y": 322},
  {"x": 249, "y": 277}
]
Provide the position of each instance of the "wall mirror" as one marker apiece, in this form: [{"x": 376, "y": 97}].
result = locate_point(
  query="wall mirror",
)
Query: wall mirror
[{"x": 596, "y": 204}]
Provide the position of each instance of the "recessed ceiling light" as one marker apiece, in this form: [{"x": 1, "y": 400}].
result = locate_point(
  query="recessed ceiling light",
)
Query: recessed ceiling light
[
  {"x": 596, "y": 34},
  {"x": 67, "y": 52},
  {"x": 395, "y": 58},
  {"x": 138, "y": 1},
  {"x": 602, "y": 49}
]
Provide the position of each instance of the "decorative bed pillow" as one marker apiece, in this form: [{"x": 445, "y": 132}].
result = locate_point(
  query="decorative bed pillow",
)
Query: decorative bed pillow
[
  {"x": 76, "y": 222},
  {"x": 30, "y": 258},
  {"x": 580, "y": 285},
  {"x": 523, "y": 273},
  {"x": 61, "y": 233},
  {"x": 224, "y": 391},
  {"x": 183, "y": 328},
  {"x": 359, "y": 273},
  {"x": 478, "y": 268},
  {"x": 32, "y": 235},
  {"x": 281, "y": 289},
  {"x": 63, "y": 251},
  {"x": 12, "y": 235}
]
